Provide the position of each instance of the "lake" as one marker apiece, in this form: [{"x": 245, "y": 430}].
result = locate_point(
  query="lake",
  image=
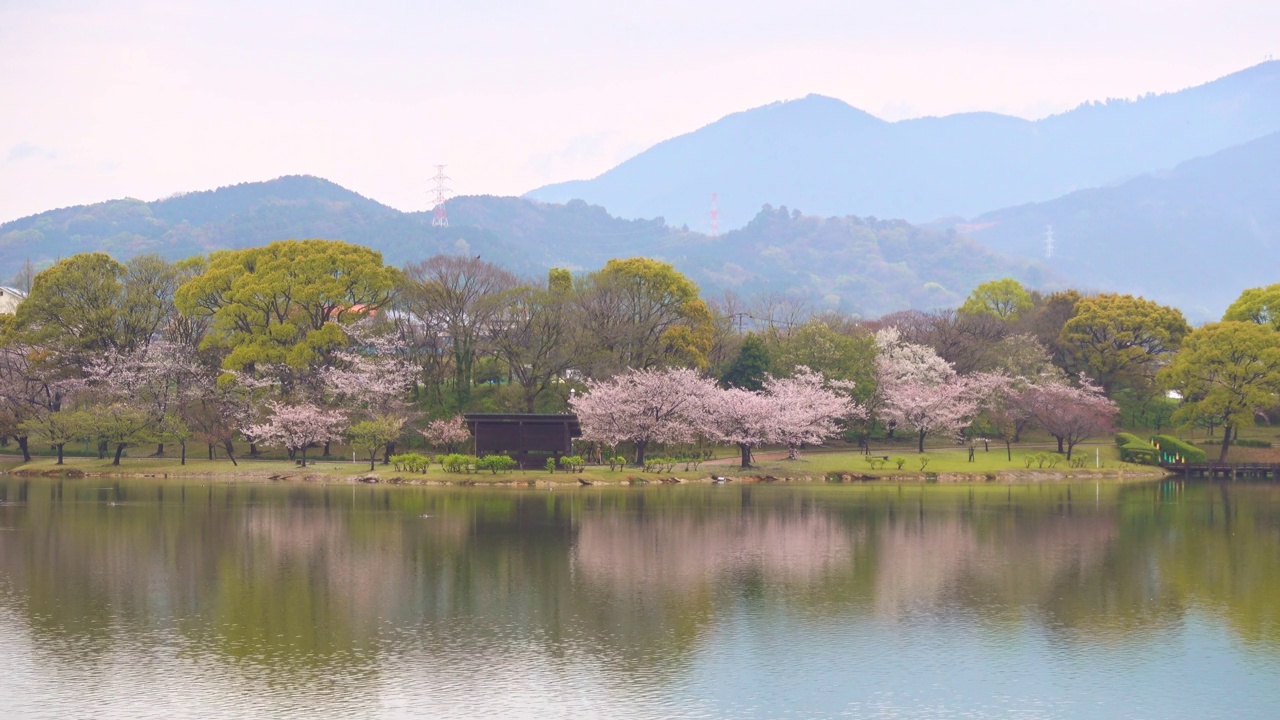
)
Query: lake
[{"x": 152, "y": 599}]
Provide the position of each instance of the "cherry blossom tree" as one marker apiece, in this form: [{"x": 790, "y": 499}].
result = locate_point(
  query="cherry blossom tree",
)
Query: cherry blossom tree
[
  {"x": 297, "y": 427},
  {"x": 809, "y": 408},
  {"x": 157, "y": 380},
  {"x": 743, "y": 418},
  {"x": 370, "y": 382},
  {"x": 646, "y": 406},
  {"x": 447, "y": 433},
  {"x": 921, "y": 390},
  {"x": 1068, "y": 413}
]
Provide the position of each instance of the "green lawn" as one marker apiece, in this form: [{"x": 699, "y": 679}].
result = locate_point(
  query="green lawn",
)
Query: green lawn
[{"x": 814, "y": 464}]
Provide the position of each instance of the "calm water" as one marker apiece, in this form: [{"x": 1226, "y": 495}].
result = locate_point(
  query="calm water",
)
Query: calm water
[{"x": 142, "y": 599}]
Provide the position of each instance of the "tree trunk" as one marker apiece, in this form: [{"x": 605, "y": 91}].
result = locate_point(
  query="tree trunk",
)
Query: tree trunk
[
  {"x": 210, "y": 450},
  {"x": 59, "y": 446},
  {"x": 26, "y": 449},
  {"x": 183, "y": 445},
  {"x": 102, "y": 449},
  {"x": 159, "y": 449},
  {"x": 1008, "y": 450},
  {"x": 373, "y": 458},
  {"x": 326, "y": 449},
  {"x": 388, "y": 452},
  {"x": 1070, "y": 446},
  {"x": 303, "y": 456},
  {"x": 226, "y": 445},
  {"x": 1059, "y": 437},
  {"x": 640, "y": 446},
  {"x": 746, "y": 455},
  {"x": 1226, "y": 443},
  {"x": 922, "y": 433},
  {"x": 253, "y": 449},
  {"x": 119, "y": 451}
]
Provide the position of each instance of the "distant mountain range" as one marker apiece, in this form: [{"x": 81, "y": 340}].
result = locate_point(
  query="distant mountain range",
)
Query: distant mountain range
[
  {"x": 830, "y": 159},
  {"x": 1193, "y": 237},
  {"x": 859, "y": 266}
]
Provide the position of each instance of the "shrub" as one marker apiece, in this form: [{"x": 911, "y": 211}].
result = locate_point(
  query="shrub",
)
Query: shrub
[
  {"x": 551, "y": 465},
  {"x": 411, "y": 462},
  {"x": 660, "y": 464},
  {"x": 457, "y": 462},
  {"x": 1135, "y": 450},
  {"x": 616, "y": 462},
  {"x": 1242, "y": 442},
  {"x": 573, "y": 463},
  {"x": 924, "y": 461},
  {"x": 1125, "y": 438},
  {"x": 691, "y": 462},
  {"x": 1170, "y": 446},
  {"x": 496, "y": 463},
  {"x": 874, "y": 461},
  {"x": 899, "y": 461}
]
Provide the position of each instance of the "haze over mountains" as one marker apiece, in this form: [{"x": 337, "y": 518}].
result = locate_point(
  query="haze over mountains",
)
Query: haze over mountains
[
  {"x": 829, "y": 159},
  {"x": 1176, "y": 197}
]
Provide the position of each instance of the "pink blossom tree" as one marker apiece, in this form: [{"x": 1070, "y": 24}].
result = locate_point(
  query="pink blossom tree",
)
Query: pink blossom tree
[
  {"x": 447, "y": 433},
  {"x": 809, "y": 408},
  {"x": 297, "y": 427},
  {"x": 921, "y": 390},
  {"x": 370, "y": 381},
  {"x": 1068, "y": 413},
  {"x": 743, "y": 418},
  {"x": 646, "y": 406}
]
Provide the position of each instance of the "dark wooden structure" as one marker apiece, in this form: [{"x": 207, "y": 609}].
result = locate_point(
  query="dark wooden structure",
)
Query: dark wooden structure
[
  {"x": 1224, "y": 470},
  {"x": 528, "y": 439}
]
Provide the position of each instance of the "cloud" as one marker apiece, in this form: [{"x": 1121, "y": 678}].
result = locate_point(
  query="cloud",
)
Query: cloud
[{"x": 29, "y": 151}]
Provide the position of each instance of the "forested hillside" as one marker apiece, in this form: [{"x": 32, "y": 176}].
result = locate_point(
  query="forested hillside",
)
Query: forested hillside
[
  {"x": 237, "y": 216},
  {"x": 831, "y": 159},
  {"x": 854, "y": 265}
]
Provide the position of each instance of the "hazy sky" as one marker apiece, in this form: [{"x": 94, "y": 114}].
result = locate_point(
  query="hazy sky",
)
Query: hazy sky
[{"x": 144, "y": 99}]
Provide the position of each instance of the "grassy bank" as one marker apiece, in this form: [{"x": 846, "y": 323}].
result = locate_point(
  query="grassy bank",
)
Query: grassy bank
[{"x": 949, "y": 464}]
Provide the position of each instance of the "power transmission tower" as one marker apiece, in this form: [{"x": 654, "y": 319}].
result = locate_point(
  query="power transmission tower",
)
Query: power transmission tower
[{"x": 440, "y": 218}]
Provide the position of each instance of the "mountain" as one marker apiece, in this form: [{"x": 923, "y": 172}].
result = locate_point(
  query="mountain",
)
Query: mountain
[
  {"x": 864, "y": 266},
  {"x": 1193, "y": 237},
  {"x": 239, "y": 216},
  {"x": 831, "y": 159}
]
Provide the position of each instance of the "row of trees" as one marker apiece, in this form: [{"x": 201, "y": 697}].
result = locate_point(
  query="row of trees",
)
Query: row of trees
[{"x": 300, "y": 343}]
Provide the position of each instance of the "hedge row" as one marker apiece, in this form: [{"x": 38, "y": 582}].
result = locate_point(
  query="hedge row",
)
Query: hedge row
[
  {"x": 1134, "y": 449},
  {"x": 1190, "y": 453}
]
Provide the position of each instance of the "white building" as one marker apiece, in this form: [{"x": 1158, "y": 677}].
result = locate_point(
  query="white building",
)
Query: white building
[{"x": 9, "y": 299}]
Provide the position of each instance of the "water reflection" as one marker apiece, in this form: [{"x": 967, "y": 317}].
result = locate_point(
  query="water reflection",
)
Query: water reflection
[{"x": 271, "y": 598}]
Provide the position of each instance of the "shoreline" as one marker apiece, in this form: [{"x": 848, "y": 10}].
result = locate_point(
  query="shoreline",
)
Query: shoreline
[{"x": 327, "y": 473}]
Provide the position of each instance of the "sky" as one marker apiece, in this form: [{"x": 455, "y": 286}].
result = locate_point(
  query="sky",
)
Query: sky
[{"x": 135, "y": 98}]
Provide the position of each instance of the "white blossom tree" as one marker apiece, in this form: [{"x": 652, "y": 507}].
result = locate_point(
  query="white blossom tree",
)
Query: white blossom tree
[{"x": 921, "y": 390}]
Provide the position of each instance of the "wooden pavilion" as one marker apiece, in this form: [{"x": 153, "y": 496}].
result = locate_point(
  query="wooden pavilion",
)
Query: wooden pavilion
[{"x": 527, "y": 438}]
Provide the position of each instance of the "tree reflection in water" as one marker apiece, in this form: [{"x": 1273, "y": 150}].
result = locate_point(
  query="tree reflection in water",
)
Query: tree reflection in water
[{"x": 290, "y": 585}]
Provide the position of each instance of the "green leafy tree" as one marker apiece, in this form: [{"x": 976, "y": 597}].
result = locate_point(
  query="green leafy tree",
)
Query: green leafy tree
[
  {"x": 641, "y": 313},
  {"x": 57, "y": 428},
  {"x": 1257, "y": 305},
  {"x": 1005, "y": 299},
  {"x": 370, "y": 436},
  {"x": 1121, "y": 339},
  {"x": 1227, "y": 371},
  {"x": 749, "y": 369},
  {"x": 286, "y": 303}
]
